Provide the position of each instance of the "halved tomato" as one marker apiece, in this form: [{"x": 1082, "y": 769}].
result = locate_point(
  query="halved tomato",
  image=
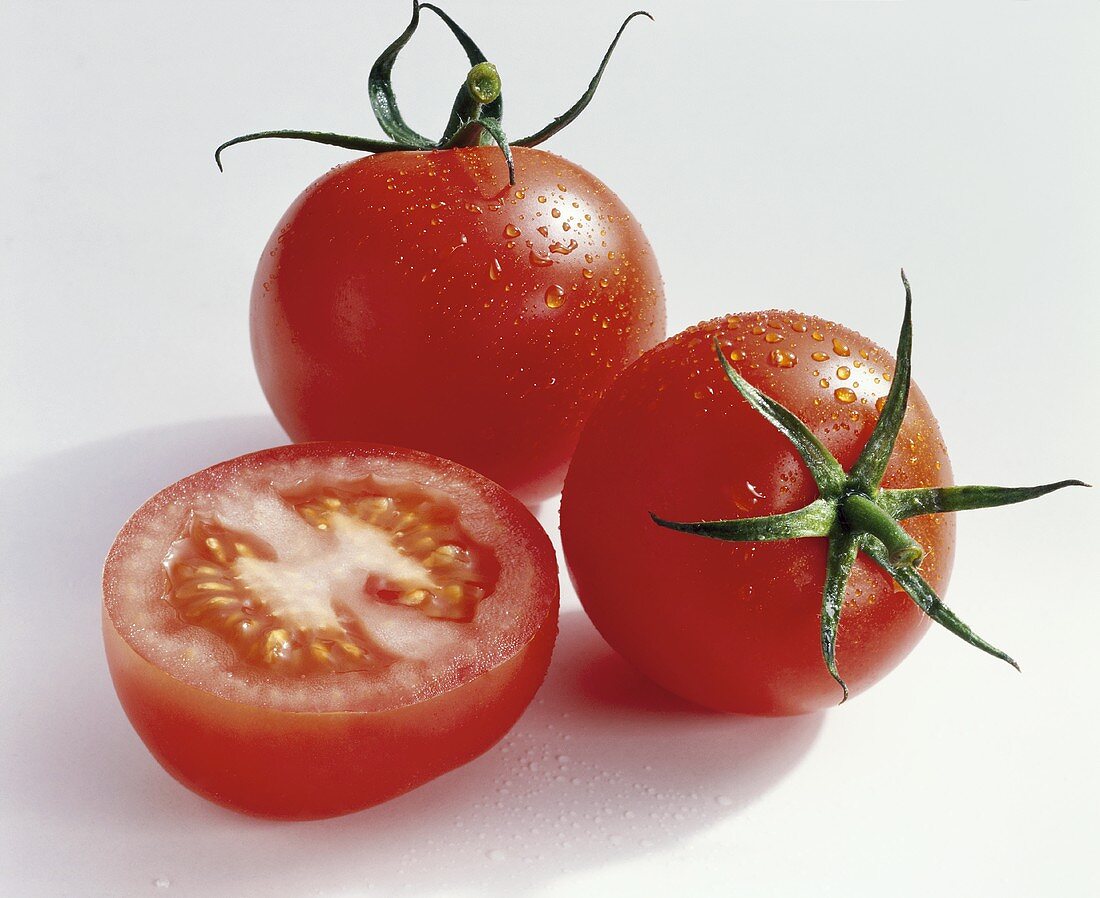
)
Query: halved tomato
[{"x": 310, "y": 630}]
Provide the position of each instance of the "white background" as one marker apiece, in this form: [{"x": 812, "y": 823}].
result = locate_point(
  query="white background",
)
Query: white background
[{"x": 777, "y": 155}]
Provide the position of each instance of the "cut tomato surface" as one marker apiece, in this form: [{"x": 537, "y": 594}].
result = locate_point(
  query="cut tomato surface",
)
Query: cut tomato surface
[{"x": 310, "y": 630}]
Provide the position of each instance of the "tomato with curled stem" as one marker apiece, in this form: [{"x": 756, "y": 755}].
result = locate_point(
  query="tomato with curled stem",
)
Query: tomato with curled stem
[
  {"x": 471, "y": 297},
  {"x": 311, "y": 630},
  {"x": 757, "y": 514}
]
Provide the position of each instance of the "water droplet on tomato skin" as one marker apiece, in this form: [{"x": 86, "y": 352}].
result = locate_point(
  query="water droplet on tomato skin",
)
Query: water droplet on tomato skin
[
  {"x": 562, "y": 249},
  {"x": 843, "y": 394},
  {"x": 555, "y": 212},
  {"x": 494, "y": 270},
  {"x": 772, "y": 337},
  {"x": 780, "y": 358},
  {"x": 555, "y": 296},
  {"x": 840, "y": 348},
  {"x": 880, "y": 404},
  {"x": 511, "y": 230},
  {"x": 843, "y": 372},
  {"x": 539, "y": 259},
  {"x": 820, "y": 356}
]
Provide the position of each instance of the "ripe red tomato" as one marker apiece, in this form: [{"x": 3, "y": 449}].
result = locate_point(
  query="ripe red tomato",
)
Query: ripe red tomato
[
  {"x": 735, "y": 626},
  {"x": 307, "y": 631},
  {"x": 415, "y": 298}
]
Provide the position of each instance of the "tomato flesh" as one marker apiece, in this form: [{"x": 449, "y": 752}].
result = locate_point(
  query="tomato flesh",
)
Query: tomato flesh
[
  {"x": 736, "y": 626},
  {"x": 417, "y": 299},
  {"x": 310, "y": 630}
]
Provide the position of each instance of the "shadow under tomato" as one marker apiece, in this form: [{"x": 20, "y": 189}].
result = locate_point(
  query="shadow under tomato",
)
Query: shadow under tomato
[{"x": 602, "y": 767}]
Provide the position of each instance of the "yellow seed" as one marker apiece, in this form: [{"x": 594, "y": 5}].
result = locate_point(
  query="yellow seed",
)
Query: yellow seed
[
  {"x": 331, "y": 502},
  {"x": 453, "y": 592},
  {"x": 244, "y": 550},
  {"x": 216, "y": 549},
  {"x": 350, "y": 648},
  {"x": 320, "y": 652},
  {"x": 414, "y": 597}
]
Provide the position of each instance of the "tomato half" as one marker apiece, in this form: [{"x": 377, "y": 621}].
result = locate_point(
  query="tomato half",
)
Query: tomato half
[
  {"x": 415, "y": 298},
  {"x": 736, "y": 626},
  {"x": 310, "y": 630}
]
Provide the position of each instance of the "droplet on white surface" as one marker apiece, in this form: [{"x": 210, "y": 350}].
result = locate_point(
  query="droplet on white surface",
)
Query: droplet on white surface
[
  {"x": 497, "y": 854},
  {"x": 162, "y": 882}
]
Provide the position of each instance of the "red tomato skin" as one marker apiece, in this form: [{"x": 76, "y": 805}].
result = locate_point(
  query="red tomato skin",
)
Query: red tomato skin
[
  {"x": 299, "y": 765},
  {"x": 302, "y": 764},
  {"x": 736, "y": 626},
  {"x": 410, "y": 298}
]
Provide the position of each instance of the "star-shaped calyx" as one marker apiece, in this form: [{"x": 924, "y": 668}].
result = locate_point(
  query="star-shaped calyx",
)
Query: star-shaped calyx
[{"x": 855, "y": 513}]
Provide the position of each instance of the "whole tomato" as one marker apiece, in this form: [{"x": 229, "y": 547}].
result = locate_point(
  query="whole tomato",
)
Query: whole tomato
[
  {"x": 418, "y": 299},
  {"x": 471, "y": 296},
  {"x": 758, "y": 552}
]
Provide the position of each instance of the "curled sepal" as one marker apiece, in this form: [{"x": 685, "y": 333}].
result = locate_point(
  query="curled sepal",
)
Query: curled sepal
[
  {"x": 925, "y": 597},
  {"x": 815, "y": 519},
  {"x": 577, "y": 108},
  {"x": 382, "y": 98},
  {"x": 825, "y": 470},
  {"x": 867, "y": 472},
  {"x": 929, "y": 500},
  {"x": 333, "y": 140},
  {"x": 842, "y": 555},
  {"x": 495, "y": 109}
]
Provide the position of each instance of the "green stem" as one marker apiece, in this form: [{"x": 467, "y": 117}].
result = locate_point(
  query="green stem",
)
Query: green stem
[
  {"x": 481, "y": 88},
  {"x": 862, "y": 514}
]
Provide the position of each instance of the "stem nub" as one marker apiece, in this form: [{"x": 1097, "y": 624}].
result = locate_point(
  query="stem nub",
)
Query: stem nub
[{"x": 483, "y": 83}]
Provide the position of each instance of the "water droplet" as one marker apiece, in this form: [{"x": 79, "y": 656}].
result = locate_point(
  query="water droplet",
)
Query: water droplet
[
  {"x": 555, "y": 297},
  {"x": 843, "y": 394},
  {"x": 880, "y": 404},
  {"x": 556, "y": 247},
  {"x": 162, "y": 882},
  {"x": 799, "y": 327},
  {"x": 511, "y": 230},
  {"x": 542, "y": 199},
  {"x": 520, "y": 194},
  {"x": 823, "y": 382},
  {"x": 555, "y": 212},
  {"x": 840, "y": 348},
  {"x": 864, "y": 354},
  {"x": 817, "y": 335},
  {"x": 494, "y": 270},
  {"x": 604, "y": 282},
  {"x": 772, "y": 337},
  {"x": 843, "y": 372},
  {"x": 587, "y": 272},
  {"x": 758, "y": 329},
  {"x": 540, "y": 260},
  {"x": 545, "y": 231},
  {"x": 820, "y": 356},
  {"x": 781, "y": 359}
]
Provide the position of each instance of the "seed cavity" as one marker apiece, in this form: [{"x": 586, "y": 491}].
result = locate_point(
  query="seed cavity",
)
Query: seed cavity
[{"x": 396, "y": 545}]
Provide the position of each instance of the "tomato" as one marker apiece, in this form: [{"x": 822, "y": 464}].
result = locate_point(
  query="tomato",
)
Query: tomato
[
  {"x": 415, "y": 298},
  {"x": 735, "y": 626},
  {"x": 310, "y": 630}
]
